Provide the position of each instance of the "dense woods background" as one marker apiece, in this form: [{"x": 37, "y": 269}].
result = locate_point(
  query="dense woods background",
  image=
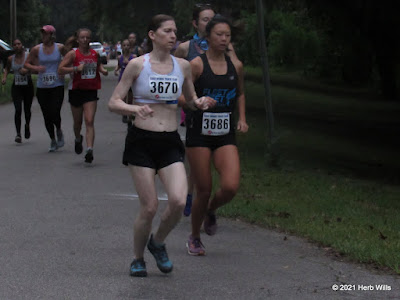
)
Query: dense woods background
[{"x": 351, "y": 42}]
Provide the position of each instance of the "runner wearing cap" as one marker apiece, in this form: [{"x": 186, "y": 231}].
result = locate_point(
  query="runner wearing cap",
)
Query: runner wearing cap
[{"x": 44, "y": 60}]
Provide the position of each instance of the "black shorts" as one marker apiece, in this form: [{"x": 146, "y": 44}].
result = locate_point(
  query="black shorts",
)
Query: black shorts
[
  {"x": 196, "y": 139},
  {"x": 154, "y": 150},
  {"x": 78, "y": 97}
]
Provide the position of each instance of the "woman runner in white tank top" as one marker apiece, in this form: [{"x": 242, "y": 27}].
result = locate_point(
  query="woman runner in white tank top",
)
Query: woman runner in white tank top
[{"x": 153, "y": 144}]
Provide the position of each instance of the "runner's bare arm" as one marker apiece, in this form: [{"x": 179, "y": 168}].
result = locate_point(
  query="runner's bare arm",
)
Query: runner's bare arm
[
  {"x": 192, "y": 101},
  {"x": 242, "y": 125},
  {"x": 117, "y": 104},
  {"x": 32, "y": 60},
  {"x": 231, "y": 52},
  {"x": 63, "y": 49},
  {"x": 117, "y": 67},
  {"x": 182, "y": 50},
  {"x": 6, "y": 70},
  {"x": 66, "y": 66}
]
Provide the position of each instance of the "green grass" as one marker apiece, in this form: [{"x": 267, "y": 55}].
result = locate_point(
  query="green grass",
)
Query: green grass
[
  {"x": 5, "y": 90},
  {"x": 336, "y": 182},
  {"x": 355, "y": 217}
]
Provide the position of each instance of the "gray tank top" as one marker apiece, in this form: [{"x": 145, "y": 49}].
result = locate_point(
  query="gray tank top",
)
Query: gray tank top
[
  {"x": 50, "y": 78},
  {"x": 194, "y": 51},
  {"x": 151, "y": 87},
  {"x": 18, "y": 78}
]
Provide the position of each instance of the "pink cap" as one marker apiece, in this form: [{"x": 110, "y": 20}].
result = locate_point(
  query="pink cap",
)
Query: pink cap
[{"x": 48, "y": 29}]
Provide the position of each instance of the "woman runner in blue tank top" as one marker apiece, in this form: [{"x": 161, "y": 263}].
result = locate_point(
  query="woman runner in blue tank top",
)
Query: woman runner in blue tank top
[
  {"x": 153, "y": 145},
  {"x": 210, "y": 135},
  {"x": 44, "y": 60}
]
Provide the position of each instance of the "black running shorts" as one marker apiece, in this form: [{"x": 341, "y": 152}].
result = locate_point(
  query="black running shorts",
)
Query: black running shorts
[
  {"x": 78, "y": 97},
  {"x": 154, "y": 150},
  {"x": 196, "y": 139}
]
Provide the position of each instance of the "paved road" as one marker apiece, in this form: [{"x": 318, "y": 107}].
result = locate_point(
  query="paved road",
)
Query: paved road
[{"x": 66, "y": 233}]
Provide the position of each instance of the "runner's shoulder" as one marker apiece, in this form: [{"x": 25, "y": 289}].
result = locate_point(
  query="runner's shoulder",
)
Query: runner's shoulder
[{"x": 182, "y": 50}]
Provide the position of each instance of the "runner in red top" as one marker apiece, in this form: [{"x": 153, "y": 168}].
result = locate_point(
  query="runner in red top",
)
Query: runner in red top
[
  {"x": 89, "y": 77},
  {"x": 83, "y": 64}
]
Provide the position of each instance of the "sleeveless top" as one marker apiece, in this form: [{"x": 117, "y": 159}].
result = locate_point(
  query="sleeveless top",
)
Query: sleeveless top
[
  {"x": 223, "y": 88},
  {"x": 151, "y": 87},
  {"x": 50, "y": 78},
  {"x": 19, "y": 79},
  {"x": 89, "y": 78},
  {"x": 194, "y": 50},
  {"x": 135, "y": 51},
  {"x": 123, "y": 64}
]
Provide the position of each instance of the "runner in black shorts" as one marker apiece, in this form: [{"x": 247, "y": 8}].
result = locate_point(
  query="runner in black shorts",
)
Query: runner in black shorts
[
  {"x": 84, "y": 66},
  {"x": 153, "y": 144},
  {"x": 210, "y": 135},
  {"x": 202, "y": 14}
]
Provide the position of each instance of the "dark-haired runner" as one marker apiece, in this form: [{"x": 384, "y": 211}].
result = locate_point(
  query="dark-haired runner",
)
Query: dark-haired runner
[
  {"x": 202, "y": 14},
  {"x": 210, "y": 135},
  {"x": 21, "y": 89}
]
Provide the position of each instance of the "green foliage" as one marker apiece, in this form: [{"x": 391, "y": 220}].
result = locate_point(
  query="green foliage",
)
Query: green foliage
[
  {"x": 247, "y": 46},
  {"x": 337, "y": 180},
  {"x": 34, "y": 15},
  {"x": 31, "y": 15},
  {"x": 292, "y": 42},
  {"x": 5, "y": 91},
  {"x": 182, "y": 13}
]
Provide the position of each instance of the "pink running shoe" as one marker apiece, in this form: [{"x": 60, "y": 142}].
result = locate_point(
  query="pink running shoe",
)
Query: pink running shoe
[{"x": 195, "y": 246}]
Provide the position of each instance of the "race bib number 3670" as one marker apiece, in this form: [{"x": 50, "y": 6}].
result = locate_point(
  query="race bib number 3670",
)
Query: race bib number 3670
[
  {"x": 164, "y": 87},
  {"x": 215, "y": 123}
]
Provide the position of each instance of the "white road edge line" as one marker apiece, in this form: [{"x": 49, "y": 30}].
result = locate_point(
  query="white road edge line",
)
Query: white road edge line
[{"x": 135, "y": 196}]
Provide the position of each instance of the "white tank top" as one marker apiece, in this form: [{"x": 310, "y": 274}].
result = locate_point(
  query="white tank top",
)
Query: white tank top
[{"x": 151, "y": 87}]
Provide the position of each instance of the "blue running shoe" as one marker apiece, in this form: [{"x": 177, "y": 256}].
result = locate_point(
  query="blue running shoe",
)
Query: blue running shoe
[
  {"x": 188, "y": 206},
  {"x": 60, "y": 138},
  {"x": 160, "y": 254},
  {"x": 138, "y": 268}
]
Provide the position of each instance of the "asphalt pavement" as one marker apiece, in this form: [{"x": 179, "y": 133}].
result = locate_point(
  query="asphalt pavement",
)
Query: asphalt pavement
[{"x": 66, "y": 232}]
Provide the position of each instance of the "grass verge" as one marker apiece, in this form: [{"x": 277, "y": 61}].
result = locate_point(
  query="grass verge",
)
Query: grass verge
[{"x": 337, "y": 180}]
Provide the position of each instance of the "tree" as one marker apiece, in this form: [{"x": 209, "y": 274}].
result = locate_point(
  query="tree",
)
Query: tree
[{"x": 366, "y": 35}]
